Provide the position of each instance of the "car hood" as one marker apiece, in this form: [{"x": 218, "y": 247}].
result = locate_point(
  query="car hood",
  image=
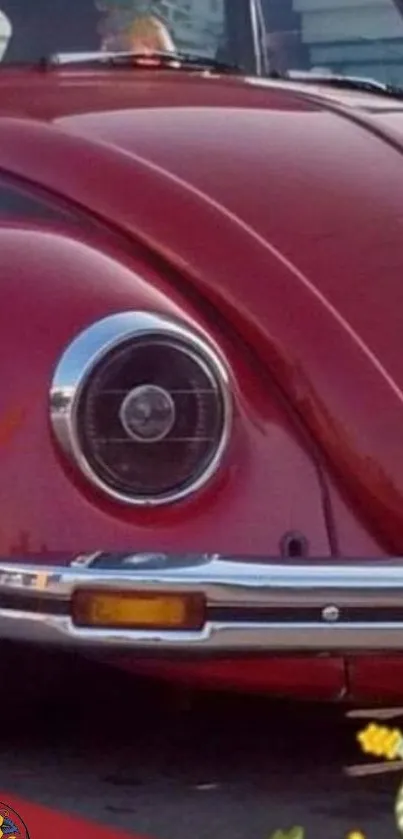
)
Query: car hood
[{"x": 284, "y": 206}]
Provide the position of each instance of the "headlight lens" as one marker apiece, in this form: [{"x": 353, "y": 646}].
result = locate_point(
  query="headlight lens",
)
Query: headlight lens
[{"x": 142, "y": 406}]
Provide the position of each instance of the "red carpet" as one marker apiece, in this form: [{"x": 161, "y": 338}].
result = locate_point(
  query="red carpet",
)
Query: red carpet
[{"x": 43, "y": 823}]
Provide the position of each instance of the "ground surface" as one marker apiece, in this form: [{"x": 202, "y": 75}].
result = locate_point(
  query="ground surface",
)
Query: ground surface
[{"x": 131, "y": 755}]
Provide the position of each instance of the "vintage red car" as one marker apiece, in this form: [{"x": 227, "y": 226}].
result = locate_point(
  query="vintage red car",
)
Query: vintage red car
[{"x": 201, "y": 321}]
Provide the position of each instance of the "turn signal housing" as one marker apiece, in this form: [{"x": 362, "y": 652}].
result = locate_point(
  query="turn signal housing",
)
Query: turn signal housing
[{"x": 134, "y": 610}]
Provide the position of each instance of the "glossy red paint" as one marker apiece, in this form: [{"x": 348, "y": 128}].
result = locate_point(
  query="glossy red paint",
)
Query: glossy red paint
[
  {"x": 59, "y": 513},
  {"x": 273, "y": 212},
  {"x": 43, "y": 95},
  {"x": 376, "y": 679}
]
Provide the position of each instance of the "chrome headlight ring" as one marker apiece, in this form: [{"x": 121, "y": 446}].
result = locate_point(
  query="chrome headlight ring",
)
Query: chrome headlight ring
[{"x": 113, "y": 435}]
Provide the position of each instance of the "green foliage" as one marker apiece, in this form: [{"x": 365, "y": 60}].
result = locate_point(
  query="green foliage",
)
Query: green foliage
[{"x": 294, "y": 833}]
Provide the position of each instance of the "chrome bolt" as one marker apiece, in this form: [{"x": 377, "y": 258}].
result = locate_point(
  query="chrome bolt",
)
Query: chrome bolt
[{"x": 331, "y": 614}]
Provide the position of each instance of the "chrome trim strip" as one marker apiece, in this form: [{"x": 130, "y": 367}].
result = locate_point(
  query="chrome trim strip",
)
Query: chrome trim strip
[
  {"x": 226, "y": 582},
  {"x": 92, "y": 345}
]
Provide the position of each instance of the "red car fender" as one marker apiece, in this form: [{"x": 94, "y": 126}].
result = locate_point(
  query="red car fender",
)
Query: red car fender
[
  {"x": 168, "y": 216},
  {"x": 53, "y": 286}
]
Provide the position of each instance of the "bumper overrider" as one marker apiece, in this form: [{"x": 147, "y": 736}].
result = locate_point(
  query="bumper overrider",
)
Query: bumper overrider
[{"x": 204, "y": 604}]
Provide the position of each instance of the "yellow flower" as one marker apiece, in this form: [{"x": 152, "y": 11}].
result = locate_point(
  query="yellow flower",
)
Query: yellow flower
[
  {"x": 355, "y": 834},
  {"x": 381, "y": 741}
]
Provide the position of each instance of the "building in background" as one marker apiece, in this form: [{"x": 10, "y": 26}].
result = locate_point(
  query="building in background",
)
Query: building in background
[{"x": 355, "y": 37}]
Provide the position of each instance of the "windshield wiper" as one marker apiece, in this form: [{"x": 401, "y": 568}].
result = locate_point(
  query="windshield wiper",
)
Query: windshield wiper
[
  {"x": 362, "y": 85},
  {"x": 157, "y": 59}
]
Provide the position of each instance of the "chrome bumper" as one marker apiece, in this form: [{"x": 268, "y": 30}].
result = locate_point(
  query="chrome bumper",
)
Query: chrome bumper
[{"x": 252, "y": 606}]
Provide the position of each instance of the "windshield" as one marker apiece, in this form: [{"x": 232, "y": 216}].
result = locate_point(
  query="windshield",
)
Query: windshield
[
  {"x": 217, "y": 29},
  {"x": 351, "y": 37}
]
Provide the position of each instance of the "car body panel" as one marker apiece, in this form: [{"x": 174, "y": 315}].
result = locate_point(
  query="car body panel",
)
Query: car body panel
[
  {"x": 285, "y": 175},
  {"x": 303, "y": 261},
  {"x": 36, "y": 517},
  {"x": 307, "y": 174}
]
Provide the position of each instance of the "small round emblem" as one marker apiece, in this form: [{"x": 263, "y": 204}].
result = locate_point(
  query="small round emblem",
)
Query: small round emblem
[{"x": 11, "y": 824}]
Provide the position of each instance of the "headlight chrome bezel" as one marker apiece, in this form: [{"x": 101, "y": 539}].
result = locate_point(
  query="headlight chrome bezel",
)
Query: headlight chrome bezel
[{"x": 83, "y": 355}]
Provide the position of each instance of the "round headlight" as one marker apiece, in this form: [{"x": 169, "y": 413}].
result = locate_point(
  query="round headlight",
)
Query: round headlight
[{"x": 142, "y": 406}]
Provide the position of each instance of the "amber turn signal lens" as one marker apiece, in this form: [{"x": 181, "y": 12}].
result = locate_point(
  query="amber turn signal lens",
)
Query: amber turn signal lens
[{"x": 101, "y": 609}]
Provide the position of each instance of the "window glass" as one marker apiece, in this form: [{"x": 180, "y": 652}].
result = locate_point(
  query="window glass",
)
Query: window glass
[{"x": 354, "y": 37}]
